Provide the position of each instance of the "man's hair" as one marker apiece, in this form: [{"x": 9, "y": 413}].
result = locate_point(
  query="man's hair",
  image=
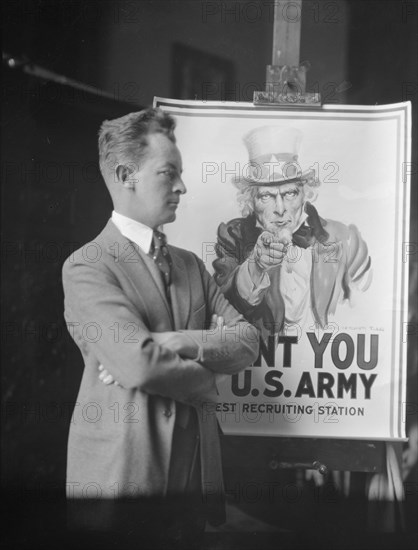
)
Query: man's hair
[
  {"x": 247, "y": 193},
  {"x": 124, "y": 140}
]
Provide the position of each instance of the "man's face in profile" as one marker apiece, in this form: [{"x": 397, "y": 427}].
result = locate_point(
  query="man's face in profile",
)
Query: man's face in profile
[
  {"x": 158, "y": 183},
  {"x": 279, "y": 208}
]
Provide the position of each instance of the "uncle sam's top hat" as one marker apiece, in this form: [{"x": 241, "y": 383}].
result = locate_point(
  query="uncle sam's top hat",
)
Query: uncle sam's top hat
[{"x": 273, "y": 157}]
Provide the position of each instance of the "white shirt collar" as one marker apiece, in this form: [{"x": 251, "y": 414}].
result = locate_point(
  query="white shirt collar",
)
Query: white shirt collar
[
  {"x": 136, "y": 232},
  {"x": 302, "y": 220}
]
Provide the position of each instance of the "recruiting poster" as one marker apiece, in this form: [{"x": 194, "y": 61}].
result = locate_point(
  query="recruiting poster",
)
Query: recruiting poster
[{"x": 302, "y": 217}]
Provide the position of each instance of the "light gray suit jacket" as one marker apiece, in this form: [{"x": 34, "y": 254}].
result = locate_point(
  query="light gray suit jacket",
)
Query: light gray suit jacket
[{"x": 120, "y": 436}]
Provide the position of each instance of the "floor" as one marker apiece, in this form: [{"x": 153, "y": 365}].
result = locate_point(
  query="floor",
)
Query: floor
[{"x": 308, "y": 520}]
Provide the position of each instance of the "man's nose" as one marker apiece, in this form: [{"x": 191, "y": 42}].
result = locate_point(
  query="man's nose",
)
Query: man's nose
[
  {"x": 179, "y": 186},
  {"x": 279, "y": 206}
]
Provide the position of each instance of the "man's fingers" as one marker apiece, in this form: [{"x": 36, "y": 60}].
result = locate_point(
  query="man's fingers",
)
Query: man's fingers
[
  {"x": 276, "y": 256},
  {"x": 108, "y": 379},
  {"x": 213, "y": 321},
  {"x": 266, "y": 238},
  {"x": 105, "y": 376},
  {"x": 234, "y": 321},
  {"x": 218, "y": 321},
  {"x": 276, "y": 253},
  {"x": 280, "y": 247},
  {"x": 273, "y": 251},
  {"x": 271, "y": 258}
]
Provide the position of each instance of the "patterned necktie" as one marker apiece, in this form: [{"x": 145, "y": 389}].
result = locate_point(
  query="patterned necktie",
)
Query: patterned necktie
[{"x": 162, "y": 258}]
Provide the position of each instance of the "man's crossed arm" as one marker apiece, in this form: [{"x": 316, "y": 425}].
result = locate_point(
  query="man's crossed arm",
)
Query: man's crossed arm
[
  {"x": 181, "y": 343},
  {"x": 95, "y": 294}
]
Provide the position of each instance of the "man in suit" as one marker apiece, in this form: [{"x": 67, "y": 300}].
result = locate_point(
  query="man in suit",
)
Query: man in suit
[
  {"x": 143, "y": 310},
  {"x": 282, "y": 265}
]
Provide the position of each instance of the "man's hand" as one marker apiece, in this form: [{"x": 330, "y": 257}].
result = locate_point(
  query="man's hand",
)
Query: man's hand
[
  {"x": 268, "y": 253},
  {"x": 106, "y": 377},
  {"x": 217, "y": 321}
]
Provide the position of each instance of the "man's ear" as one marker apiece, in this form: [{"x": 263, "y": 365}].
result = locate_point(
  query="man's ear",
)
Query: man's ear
[{"x": 123, "y": 175}]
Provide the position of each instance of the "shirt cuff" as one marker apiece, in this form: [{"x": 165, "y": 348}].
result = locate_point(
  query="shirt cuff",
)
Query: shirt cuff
[{"x": 253, "y": 294}]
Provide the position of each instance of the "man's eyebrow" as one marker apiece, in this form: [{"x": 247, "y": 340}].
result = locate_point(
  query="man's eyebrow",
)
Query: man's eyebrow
[
  {"x": 291, "y": 190},
  {"x": 265, "y": 192},
  {"x": 172, "y": 165}
]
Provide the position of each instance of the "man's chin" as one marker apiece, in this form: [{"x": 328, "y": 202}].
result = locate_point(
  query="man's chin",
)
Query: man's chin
[{"x": 170, "y": 218}]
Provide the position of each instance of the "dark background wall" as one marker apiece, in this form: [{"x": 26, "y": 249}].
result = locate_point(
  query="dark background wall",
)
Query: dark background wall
[{"x": 53, "y": 199}]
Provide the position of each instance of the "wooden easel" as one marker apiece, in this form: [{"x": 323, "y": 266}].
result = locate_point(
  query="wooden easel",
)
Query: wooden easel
[{"x": 382, "y": 460}]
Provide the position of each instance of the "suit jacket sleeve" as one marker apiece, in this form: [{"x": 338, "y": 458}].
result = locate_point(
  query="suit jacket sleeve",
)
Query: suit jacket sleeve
[
  {"x": 232, "y": 348},
  {"x": 94, "y": 301},
  {"x": 359, "y": 261},
  {"x": 232, "y": 249}
]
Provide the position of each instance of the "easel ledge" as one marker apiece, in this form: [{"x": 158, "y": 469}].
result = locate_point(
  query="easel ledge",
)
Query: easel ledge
[{"x": 314, "y": 453}]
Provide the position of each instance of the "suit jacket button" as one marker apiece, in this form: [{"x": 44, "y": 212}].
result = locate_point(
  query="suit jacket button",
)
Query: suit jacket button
[{"x": 167, "y": 413}]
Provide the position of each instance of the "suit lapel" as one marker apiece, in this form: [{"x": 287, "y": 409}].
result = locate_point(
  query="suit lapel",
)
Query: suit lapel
[
  {"x": 140, "y": 272},
  {"x": 180, "y": 291}
]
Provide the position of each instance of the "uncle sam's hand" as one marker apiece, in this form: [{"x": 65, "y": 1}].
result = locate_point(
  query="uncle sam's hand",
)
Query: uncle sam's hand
[{"x": 268, "y": 251}]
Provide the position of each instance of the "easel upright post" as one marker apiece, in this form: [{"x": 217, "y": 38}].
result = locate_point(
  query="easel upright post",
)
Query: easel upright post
[
  {"x": 286, "y": 77},
  {"x": 286, "y": 33}
]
